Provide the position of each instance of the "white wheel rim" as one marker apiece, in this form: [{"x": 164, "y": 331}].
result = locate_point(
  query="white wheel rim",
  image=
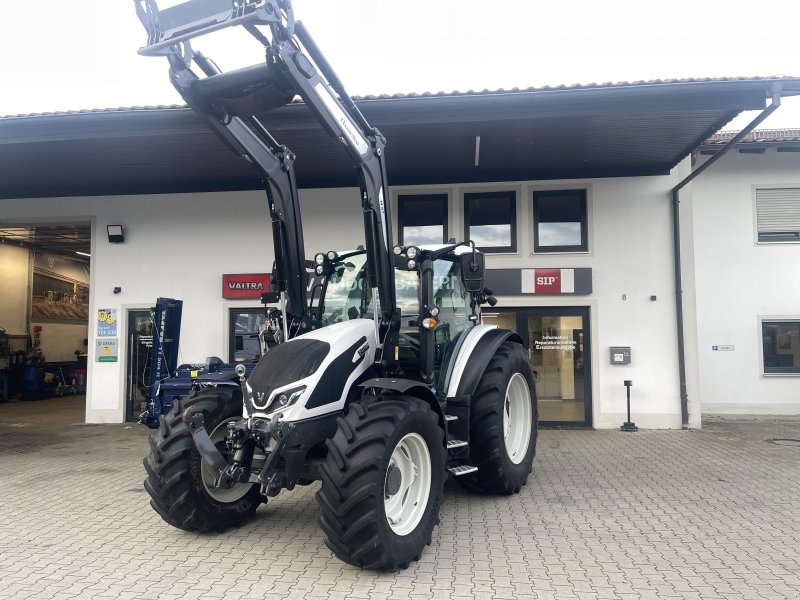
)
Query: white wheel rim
[
  {"x": 517, "y": 418},
  {"x": 221, "y": 494},
  {"x": 405, "y": 507}
]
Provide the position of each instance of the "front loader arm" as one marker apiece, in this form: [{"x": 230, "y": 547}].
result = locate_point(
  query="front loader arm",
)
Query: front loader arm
[
  {"x": 295, "y": 65},
  {"x": 239, "y": 127}
]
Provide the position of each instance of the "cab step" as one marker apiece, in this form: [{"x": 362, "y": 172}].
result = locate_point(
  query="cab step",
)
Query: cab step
[
  {"x": 462, "y": 469},
  {"x": 456, "y": 444}
]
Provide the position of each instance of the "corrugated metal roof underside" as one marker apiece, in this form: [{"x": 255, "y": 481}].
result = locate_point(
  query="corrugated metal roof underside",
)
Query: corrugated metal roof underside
[{"x": 526, "y": 135}]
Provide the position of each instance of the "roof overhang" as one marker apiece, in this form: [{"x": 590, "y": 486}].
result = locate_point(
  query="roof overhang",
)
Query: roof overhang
[{"x": 612, "y": 130}]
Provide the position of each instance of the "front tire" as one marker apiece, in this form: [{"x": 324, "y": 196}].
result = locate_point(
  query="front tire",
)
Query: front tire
[
  {"x": 180, "y": 483},
  {"x": 383, "y": 482},
  {"x": 503, "y": 419}
]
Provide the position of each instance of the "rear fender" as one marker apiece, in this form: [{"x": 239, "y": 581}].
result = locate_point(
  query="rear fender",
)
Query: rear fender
[{"x": 475, "y": 358}]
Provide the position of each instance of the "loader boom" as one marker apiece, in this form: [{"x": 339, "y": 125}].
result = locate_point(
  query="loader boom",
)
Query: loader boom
[{"x": 233, "y": 101}]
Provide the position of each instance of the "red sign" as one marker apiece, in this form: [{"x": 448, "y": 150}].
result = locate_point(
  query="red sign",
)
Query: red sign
[
  {"x": 245, "y": 285},
  {"x": 548, "y": 281}
]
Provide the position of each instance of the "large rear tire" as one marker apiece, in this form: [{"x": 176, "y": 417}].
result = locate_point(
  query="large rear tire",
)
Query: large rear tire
[
  {"x": 180, "y": 483},
  {"x": 503, "y": 420},
  {"x": 383, "y": 482}
]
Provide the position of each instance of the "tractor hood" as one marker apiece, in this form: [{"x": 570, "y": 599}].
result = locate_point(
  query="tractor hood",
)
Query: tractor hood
[{"x": 311, "y": 374}]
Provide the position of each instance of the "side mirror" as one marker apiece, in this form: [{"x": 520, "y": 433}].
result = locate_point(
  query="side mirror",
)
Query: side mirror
[{"x": 472, "y": 270}]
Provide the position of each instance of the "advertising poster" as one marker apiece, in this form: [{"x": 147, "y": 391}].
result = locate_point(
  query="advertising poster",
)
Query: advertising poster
[
  {"x": 106, "y": 350},
  {"x": 107, "y": 322}
]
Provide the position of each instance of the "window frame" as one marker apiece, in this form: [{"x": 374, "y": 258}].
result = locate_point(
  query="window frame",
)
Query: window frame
[
  {"x": 444, "y": 196},
  {"x": 584, "y": 221},
  {"x": 795, "y": 372},
  {"x": 509, "y": 194},
  {"x": 791, "y": 236}
]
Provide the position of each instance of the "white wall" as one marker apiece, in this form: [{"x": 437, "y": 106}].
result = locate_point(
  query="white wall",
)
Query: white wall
[
  {"x": 179, "y": 246},
  {"x": 739, "y": 281},
  {"x": 14, "y": 292},
  {"x": 630, "y": 253},
  {"x": 59, "y": 341}
]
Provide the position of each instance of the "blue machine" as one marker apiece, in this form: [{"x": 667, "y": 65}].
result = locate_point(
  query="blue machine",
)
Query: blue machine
[
  {"x": 169, "y": 382},
  {"x": 166, "y": 337}
]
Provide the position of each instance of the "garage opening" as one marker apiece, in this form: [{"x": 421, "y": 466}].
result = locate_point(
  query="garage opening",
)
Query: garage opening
[{"x": 44, "y": 320}]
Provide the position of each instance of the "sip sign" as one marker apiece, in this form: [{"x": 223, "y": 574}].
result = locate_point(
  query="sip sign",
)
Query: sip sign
[
  {"x": 548, "y": 281},
  {"x": 554, "y": 281}
]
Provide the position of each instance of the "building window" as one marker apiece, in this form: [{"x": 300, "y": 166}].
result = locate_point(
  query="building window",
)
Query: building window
[
  {"x": 422, "y": 219},
  {"x": 781, "y": 346},
  {"x": 778, "y": 215},
  {"x": 490, "y": 220},
  {"x": 559, "y": 221}
]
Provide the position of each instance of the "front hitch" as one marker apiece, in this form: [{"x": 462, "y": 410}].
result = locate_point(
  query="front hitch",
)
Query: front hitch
[{"x": 247, "y": 434}]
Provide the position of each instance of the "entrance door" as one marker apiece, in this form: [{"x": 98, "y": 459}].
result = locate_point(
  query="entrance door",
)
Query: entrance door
[
  {"x": 558, "y": 344},
  {"x": 246, "y": 344},
  {"x": 140, "y": 349}
]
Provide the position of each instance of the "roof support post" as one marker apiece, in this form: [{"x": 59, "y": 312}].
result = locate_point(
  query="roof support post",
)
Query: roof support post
[{"x": 676, "y": 240}]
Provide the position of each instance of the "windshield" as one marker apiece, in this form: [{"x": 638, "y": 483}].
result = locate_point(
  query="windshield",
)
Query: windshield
[{"x": 347, "y": 296}]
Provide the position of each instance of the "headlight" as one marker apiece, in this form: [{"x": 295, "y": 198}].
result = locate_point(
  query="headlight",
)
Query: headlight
[
  {"x": 398, "y": 250},
  {"x": 319, "y": 270},
  {"x": 412, "y": 265},
  {"x": 412, "y": 251},
  {"x": 332, "y": 256},
  {"x": 319, "y": 258},
  {"x": 285, "y": 398}
]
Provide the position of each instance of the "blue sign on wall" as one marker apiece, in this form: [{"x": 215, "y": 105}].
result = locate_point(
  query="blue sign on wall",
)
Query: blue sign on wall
[{"x": 107, "y": 322}]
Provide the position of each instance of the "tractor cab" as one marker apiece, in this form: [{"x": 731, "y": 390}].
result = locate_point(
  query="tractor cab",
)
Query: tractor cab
[{"x": 345, "y": 295}]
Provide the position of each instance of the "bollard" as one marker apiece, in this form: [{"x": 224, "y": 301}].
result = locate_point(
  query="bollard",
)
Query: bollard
[{"x": 628, "y": 425}]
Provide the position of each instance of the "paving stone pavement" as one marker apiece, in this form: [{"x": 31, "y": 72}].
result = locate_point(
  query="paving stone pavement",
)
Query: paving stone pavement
[{"x": 712, "y": 513}]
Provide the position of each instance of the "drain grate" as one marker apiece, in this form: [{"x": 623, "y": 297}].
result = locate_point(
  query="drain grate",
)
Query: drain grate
[{"x": 784, "y": 442}]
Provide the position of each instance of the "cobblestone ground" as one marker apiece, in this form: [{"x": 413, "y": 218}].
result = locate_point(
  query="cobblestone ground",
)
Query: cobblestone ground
[{"x": 655, "y": 514}]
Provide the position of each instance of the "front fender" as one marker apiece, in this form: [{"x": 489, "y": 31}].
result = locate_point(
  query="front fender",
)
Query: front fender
[{"x": 409, "y": 387}]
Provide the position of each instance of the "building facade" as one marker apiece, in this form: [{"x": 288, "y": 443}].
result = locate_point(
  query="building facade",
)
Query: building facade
[{"x": 583, "y": 266}]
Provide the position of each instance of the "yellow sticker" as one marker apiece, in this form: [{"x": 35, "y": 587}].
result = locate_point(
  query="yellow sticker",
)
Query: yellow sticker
[
  {"x": 195, "y": 373},
  {"x": 397, "y": 352}
]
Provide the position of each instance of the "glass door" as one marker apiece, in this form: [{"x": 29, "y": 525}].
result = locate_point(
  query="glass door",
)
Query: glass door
[
  {"x": 558, "y": 344},
  {"x": 248, "y": 335},
  {"x": 140, "y": 349}
]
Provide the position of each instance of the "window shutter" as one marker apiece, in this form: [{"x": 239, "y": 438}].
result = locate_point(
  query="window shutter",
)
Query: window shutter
[{"x": 778, "y": 214}]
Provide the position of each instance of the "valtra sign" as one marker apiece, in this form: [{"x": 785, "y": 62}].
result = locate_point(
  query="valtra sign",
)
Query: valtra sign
[{"x": 245, "y": 285}]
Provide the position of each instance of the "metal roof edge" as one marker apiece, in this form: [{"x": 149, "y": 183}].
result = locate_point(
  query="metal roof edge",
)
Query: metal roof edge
[{"x": 611, "y": 87}]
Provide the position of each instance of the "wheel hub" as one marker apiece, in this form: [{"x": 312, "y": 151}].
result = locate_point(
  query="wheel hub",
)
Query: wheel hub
[
  {"x": 407, "y": 484},
  {"x": 517, "y": 419},
  {"x": 393, "y": 480}
]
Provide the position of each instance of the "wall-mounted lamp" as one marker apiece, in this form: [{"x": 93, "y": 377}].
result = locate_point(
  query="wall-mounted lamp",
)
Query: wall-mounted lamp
[{"x": 115, "y": 235}]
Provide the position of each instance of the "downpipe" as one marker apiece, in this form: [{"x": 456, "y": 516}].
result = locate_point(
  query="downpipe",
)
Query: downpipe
[{"x": 676, "y": 241}]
